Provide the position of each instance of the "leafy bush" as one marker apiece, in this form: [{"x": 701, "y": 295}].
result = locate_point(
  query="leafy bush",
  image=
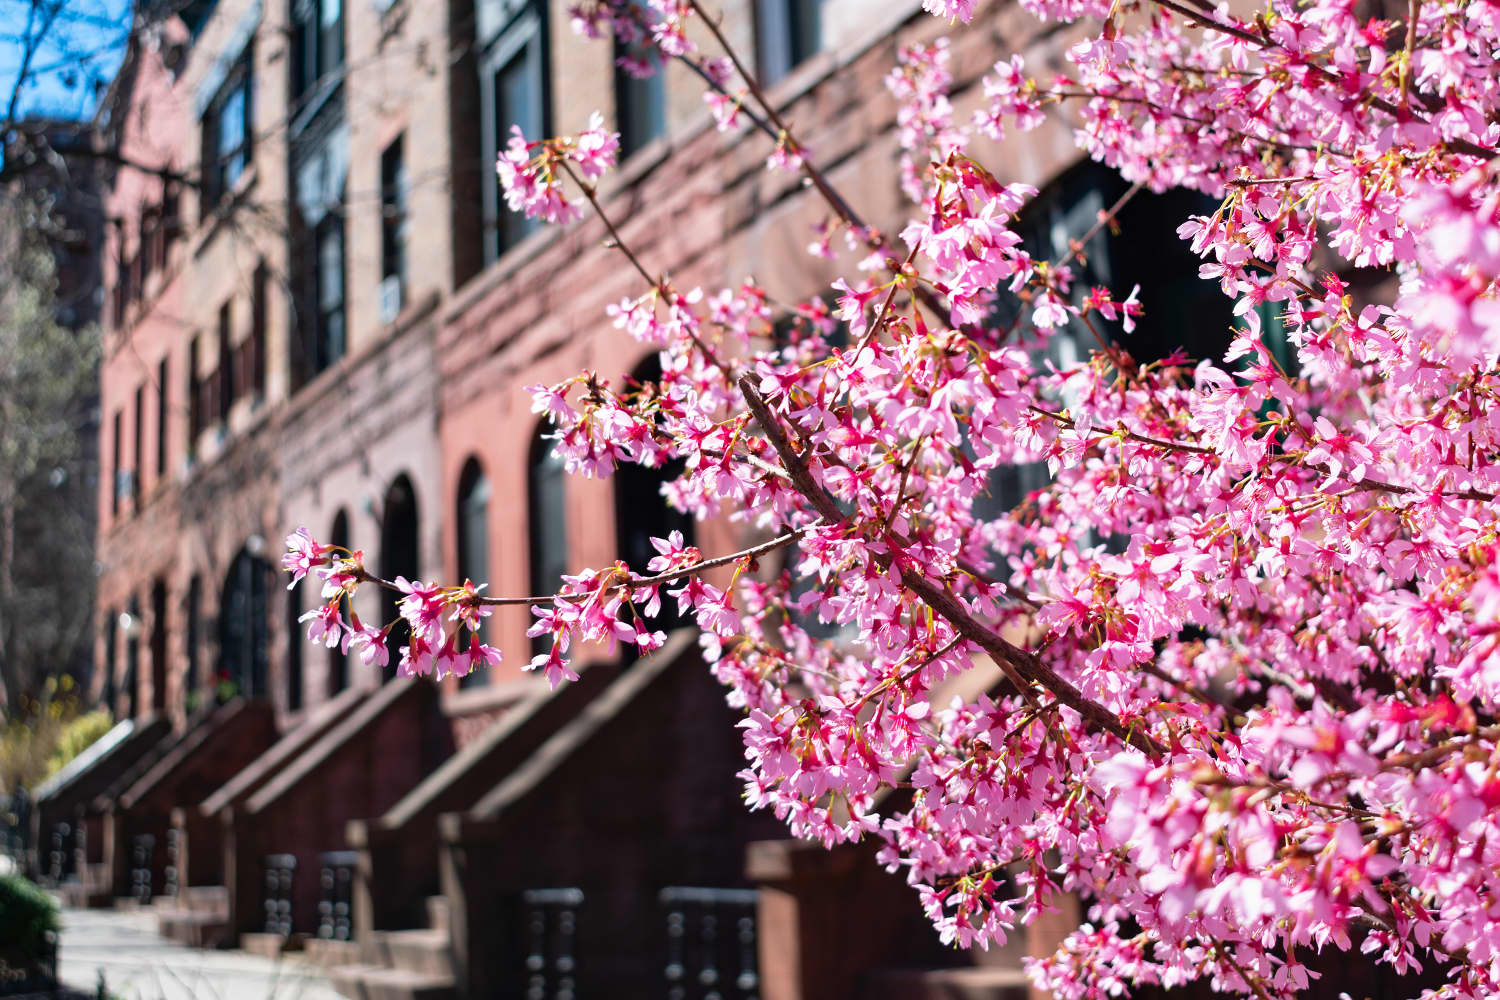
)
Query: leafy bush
[
  {"x": 46, "y": 733},
  {"x": 27, "y": 916},
  {"x": 77, "y": 735}
]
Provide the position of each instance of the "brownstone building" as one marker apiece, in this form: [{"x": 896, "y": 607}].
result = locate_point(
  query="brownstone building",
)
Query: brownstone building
[{"x": 319, "y": 314}]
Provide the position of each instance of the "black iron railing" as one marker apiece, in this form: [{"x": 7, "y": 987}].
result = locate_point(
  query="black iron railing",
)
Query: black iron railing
[
  {"x": 551, "y": 921},
  {"x": 142, "y": 867},
  {"x": 336, "y": 905},
  {"x": 170, "y": 878},
  {"x": 281, "y": 871},
  {"x": 711, "y": 946},
  {"x": 59, "y": 858}
]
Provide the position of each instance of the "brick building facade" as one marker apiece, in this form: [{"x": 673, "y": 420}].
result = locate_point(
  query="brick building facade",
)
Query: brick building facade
[{"x": 318, "y": 314}]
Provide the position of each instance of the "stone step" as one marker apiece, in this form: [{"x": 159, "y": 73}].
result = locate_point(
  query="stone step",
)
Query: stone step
[
  {"x": 329, "y": 954},
  {"x": 437, "y": 913},
  {"x": 205, "y": 899},
  {"x": 424, "y": 952},
  {"x": 196, "y": 930},
  {"x": 366, "y": 982},
  {"x": 80, "y": 895},
  {"x": 270, "y": 945}
]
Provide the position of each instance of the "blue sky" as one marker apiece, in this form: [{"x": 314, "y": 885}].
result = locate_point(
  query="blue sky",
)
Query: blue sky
[{"x": 78, "y": 55}]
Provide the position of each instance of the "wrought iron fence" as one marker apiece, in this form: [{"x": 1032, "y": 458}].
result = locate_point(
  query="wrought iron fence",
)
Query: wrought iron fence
[
  {"x": 60, "y": 857},
  {"x": 142, "y": 867},
  {"x": 171, "y": 881},
  {"x": 711, "y": 943},
  {"x": 336, "y": 905},
  {"x": 551, "y": 921},
  {"x": 281, "y": 871}
]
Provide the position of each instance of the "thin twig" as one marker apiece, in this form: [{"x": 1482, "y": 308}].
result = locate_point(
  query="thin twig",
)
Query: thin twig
[{"x": 755, "y": 551}]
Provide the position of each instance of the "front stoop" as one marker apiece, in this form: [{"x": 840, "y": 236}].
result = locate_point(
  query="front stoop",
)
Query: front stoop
[
  {"x": 270, "y": 945},
  {"x": 403, "y": 965},
  {"x": 330, "y": 954},
  {"x": 196, "y": 930},
  {"x": 199, "y": 917},
  {"x": 437, "y": 913},
  {"x": 368, "y": 982}
]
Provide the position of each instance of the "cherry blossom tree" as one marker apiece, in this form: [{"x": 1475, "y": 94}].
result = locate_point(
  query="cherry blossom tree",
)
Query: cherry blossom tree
[{"x": 1250, "y": 630}]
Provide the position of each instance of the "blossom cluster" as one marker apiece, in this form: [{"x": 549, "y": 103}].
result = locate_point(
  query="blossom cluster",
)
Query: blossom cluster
[
  {"x": 1232, "y": 674},
  {"x": 531, "y": 172},
  {"x": 441, "y": 626}
]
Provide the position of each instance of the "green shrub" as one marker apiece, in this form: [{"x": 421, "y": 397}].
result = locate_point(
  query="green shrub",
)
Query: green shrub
[
  {"x": 77, "y": 735},
  {"x": 27, "y": 916},
  {"x": 45, "y": 733}
]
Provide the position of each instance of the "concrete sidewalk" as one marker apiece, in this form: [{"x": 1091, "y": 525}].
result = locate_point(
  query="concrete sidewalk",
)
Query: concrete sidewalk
[{"x": 138, "y": 964}]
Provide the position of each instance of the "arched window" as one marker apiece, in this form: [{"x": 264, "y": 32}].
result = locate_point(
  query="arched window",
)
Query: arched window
[
  {"x": 473, "y": 542},
  {"x": 642, "y": 513},
  {"x": 294, "y": 642},
  {"x": 191, "y": 693},
  {"x": 547, "y": 523},
  {"x": 338, "y": 660},
  {"x": 398, "y": 554},
  {"x": 244, "y": 635}
]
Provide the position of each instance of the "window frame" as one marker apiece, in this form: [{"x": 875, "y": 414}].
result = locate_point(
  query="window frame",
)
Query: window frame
[
  {"x": 311, "y": 67},
  {"x": 217, "y": 161},
  {"x": 527, "y": 27},
  {"x": 327, "y": 353},
  {"x": 395, "y": 213},
  {"x": 226, "y": 378},
  {"x": 474, "y": 496},
  {"x": 163, "y": 409},
  {"x": 633, "y": 93},
  {"x": 787, "y": 34}
]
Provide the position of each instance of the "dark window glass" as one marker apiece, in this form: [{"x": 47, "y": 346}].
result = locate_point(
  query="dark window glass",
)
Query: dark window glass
[
  {"x": 226, "y": 363},
  {"x": 642, "y": 512},
  {"x": 261, "y": 281},
  {"x": 394, "y": 195},
  {"x": 194, "y": 14},
  {"x": 111, "y": 641},
  {"x": 1183, "y": 312},
  {"x": 163, "y": 415},
  {"x": 787, "y": 32},
  {"x": 514, "y": 91},
  {"x": 132, "y": 659},
  {"x": 117, "y": 474},
  {"x": 244, "y": 636},
  {"x": 195, "y": 399},
  {"x": 227, "y": 138},
  {"x": 137, "y": 437},
  {"x": 329, "y": 282},
  {"x": 159, "y": 646},
  {"x": 317, "y": 43},
  {"x": 171, "y": 211},
  {"x": 338, "y": 660},
  {"x": 473, "y": 543},
  {"x": 190, "y": 687},
  {"x": 546, "y": 503},
  {"x": 398, "y": 554},
  {"x": 148, "y": 251},
  {"x": 640, "y": 92},
  {"x": 330, "y": 36},
  {"x": 294, "y": 643}
]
